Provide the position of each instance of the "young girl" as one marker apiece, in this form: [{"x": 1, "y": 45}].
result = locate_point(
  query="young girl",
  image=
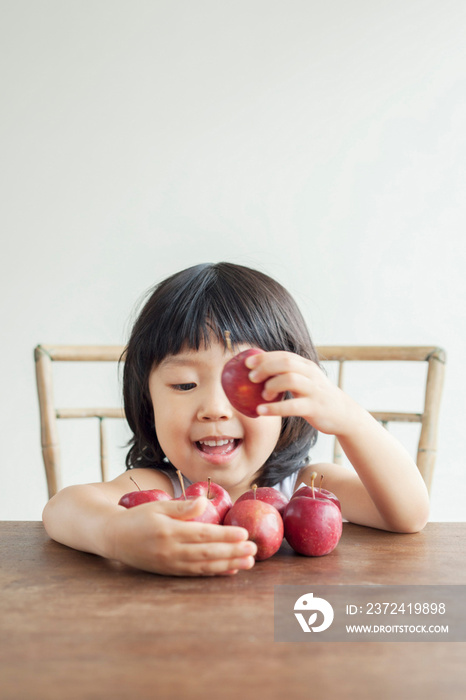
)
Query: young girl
[{"x": 181, "y": 419}]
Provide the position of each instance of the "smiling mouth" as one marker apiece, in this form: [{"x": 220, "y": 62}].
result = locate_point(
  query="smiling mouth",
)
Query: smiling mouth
[{"x": 222, "y": 446}]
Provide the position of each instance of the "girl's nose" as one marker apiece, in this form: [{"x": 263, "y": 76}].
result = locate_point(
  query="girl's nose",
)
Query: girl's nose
[{"x": 214, "y": 406}]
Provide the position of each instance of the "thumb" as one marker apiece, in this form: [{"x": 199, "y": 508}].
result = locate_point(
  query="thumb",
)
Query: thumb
[{"x": 183, "y": 509}]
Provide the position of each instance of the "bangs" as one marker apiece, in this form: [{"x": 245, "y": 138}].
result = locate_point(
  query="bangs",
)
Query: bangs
[{"x": 200, "y": 310}]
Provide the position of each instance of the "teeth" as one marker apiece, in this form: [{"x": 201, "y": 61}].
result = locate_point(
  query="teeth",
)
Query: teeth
[{"x": 216, "y": 443}]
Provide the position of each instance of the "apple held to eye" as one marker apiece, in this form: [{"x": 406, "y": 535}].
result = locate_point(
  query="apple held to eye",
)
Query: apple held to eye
[
  {"x": 245, "y": 396},
  {"x": 135, "y": 498}
]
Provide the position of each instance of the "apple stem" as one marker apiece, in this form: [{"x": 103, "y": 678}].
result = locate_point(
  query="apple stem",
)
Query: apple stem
[
  {"x": 135, "y": 482},
  {"x": 208, "y": 486},
  {"x": 313, "y": 478},
  {"x": 320, "y": 485},
  {"x": 180, "y": 477},
  {"x": 254, "y": 491},
  {"x": 228, "y": 341}
]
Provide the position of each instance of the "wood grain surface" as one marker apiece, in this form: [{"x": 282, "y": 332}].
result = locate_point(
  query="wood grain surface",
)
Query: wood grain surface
[{"x": 73, "y": 625}]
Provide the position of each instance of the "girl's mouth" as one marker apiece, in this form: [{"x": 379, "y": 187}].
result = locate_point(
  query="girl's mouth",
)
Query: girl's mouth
[{"x": 218, "y": 449}]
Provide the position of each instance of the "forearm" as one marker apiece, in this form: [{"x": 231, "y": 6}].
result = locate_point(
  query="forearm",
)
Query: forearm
[
  {"x": 78, "y": 517},
  {"x": 387, "y": 472}
]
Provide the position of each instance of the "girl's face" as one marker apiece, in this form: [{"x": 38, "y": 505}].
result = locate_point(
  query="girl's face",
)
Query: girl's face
[{"x": 199, "y": 430}]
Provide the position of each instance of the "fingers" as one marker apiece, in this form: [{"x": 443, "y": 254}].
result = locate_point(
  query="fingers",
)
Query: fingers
[
  {"x": 220, "y": 551},
  {"x": 287, "y": 372},
  {"x": 297, "y": 384},
  {"x": 284, "y": 372},
  {"x": 210, "y": 560},
  {"x": 304, "y": 407},
  {"x": 206, "y": 533},
  {"x": 196, "y": 551},
  {"x": 155, "y": 537},
  {"x": 268, "y": 364},
  {"x": 216, "y": 568},
  {"x": 290, "y": 407},
  {"x": 220, "y": 567},
  {"x": 181, "y": 510}
]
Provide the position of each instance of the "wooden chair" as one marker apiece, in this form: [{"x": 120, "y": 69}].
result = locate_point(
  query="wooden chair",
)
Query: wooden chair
[
  {"x": 435, "y": 358},
  {"x": 46, "y": 355}
]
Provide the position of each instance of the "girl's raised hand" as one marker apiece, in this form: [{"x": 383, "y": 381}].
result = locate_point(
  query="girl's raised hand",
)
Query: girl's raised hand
[
  {"x": 155, "y": 537},
  {"x": 314, "y": 397}
]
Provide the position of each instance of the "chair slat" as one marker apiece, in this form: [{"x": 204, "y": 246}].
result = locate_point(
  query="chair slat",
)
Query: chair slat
[
  {"x": 90, "y": 413},
  {"x": 83, "y": 353},
  {"x": 48, "y": 423},
  {"x": 427, "y": 449},
  {"x": 378, "y": 353},
  {"x": 395, "y": 417}
]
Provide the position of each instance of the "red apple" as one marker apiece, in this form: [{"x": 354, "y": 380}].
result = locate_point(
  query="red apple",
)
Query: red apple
[
  {"x": 312, "y": 522},
  {"x": 263, "y": 523},
  {"x": 313, "y": 526},
  {"x": 318, "y": 493},
  {"x": 217, "y": 495},
  {"x": 211, "y": 514},
  {"x": 267, "y": 494},
  {"x": 243, "y": 394},
  {"x": 135, "y": 498}
]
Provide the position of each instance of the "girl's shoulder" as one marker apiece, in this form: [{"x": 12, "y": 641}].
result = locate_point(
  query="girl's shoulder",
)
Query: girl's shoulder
[{"x": 145, "y": 478}]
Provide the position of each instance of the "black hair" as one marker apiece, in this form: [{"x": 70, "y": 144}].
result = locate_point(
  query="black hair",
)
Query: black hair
[{"x": 185, "y": 311}]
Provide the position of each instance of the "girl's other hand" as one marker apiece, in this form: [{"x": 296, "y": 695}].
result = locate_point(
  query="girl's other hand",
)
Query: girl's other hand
[
  {"x": 314, "y": 397},
  {"x": 156, "y": 537}
]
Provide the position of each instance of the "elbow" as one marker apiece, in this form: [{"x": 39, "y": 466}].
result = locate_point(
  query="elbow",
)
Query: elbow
[
  {"x": 421, "y": 521},
  {"x": 420, "y": 513},
  {"x": 415, "y": 512},
  {"x": 410, "y": 527},
  {"x": 412, "y": 522},
  {"x": 46, "y": 517}
]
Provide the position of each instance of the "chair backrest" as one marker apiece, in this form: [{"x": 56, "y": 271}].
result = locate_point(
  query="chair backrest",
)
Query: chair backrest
[
  {"x": 46, "y": 355},
  {"x": 435, "y": 358}
]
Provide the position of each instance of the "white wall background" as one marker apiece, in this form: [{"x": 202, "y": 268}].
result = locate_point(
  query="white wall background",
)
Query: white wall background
[{"x": 322, "y": 142}]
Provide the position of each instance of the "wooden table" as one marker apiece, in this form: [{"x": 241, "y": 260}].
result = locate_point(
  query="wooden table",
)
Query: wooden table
[{"x": 76, "y": 626}]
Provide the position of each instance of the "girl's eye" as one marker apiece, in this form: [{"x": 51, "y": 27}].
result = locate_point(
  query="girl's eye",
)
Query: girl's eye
[{"x": 183, "y": 387}]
